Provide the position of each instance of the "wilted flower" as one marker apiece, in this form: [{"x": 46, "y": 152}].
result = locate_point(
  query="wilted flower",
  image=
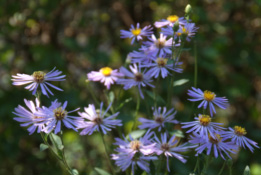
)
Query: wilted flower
[
  {"x": 207, "y": 97},
  {"x": 106, "y": 75},
  {"x": 97, "y": 121},
  {"x": 39, "y": 78}
]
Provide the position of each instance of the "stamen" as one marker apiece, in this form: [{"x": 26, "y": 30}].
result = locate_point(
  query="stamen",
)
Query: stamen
[
  {"x": 160, "y": 43},
  {"x": 59, "y": 113},
  {"x": 204, "y": 120},
  {"x": 214, "y": 140},
  {"x": 135, "y": 144},
  {"x": 162, "y": 61},
  {"x": 39, "y": 76},
  {"x": 209, "y": 96},
  {"x": 172, "y": 18},
  {"x": 165, "y": 147},
  {"x": 106, "y": 71},
  {"x": 138, "y": 77},
  {"x": 159, "y": 119},
  {"x": 136, "y": 31},
  {"x": 238, "y": 130}
]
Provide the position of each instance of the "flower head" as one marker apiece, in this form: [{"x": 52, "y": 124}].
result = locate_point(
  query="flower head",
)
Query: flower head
[
  {"x": 160, "y": 118},
  {"x": 136, "y": 32},
  {"x": 170, "y": 21},
  {"x": 203, "y": 126},
  {"x": 28, "y": 118},
  {"x": 207, "y": 98},
  {"x": 97, "y": 121},
  {"x": 105, "y": 75},
  {"x": 237, "y": 136},
  {"x": 39, "y": 78},
  {"x": 135, "y": 78},
  {"x": 57, "y": 114}
]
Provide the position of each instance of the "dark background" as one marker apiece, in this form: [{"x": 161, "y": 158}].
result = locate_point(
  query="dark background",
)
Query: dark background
[{"x": 79, "y": 36}]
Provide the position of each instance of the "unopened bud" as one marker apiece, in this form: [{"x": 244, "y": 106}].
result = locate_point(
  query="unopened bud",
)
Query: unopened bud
[
  {"x": 176, "y": 26},
  {"x": 247, "y": 171},
  {"x": 188, "y": 9},
  {"x": 128, "y": 59}
]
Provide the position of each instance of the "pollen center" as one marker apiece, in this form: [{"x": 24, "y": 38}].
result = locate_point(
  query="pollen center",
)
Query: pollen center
[
  {"x": 239, "y": 131},
  {"x": 162, "y": 61},
  {"x": 204, "y": 120},
  {"x": 106, "y": 71},
  {"x": 172, "y": 18},
  {"x": 39, "y": 76},
  {"x": 135, "y": 145},
  {"x": 59, "y": 113},
  {"x": 159, "y": 119},
  {"x": 136, "y": 31},
  {"x": 209, "y": 96},
  {"x": 165, "y": 147},
  {"x": 160, "y": 43},
  {"x": 138, "y": 77},
  {"x": 214, "y": 140}
]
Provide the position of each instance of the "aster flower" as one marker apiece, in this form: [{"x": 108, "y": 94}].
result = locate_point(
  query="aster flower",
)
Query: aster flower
[
  {"x": 135, "y": 78},
  {"x": 203, "y": 126},
  {"x": 105, "y": 75},
  {"x": 136, "y": 33},
  {"x": 160, "y": 118},
  {"x": 39, "y": 78},
  {"x": 142, "y": 56},
  {"x": 124, "y": 161},
  {"x": 170, "y": 148},
  {"x": 218, "y": 145},
  {"x": 55, "y": 115},
  {"x": 97, "y": 121},
  {"x": 207, "y": 98},
  {"x": 27, "y": 117},
  {"x": 160, "y": 46},
  {"x": 170, "y": 21},
  {"x": 237, "y": 136},
  {"x": 188, "y": 30},
  {"x": 160, "y": 66}
]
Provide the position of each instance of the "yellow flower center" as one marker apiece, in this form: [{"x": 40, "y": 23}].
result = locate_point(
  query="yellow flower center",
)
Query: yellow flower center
[
  {"x": 106, "y": 71},
  {"x": 160, "y": 43},
  {"x": 59, "y": 113},
  {"x": 239, "y": 131},
  {"x": 39, "y": 76},
  {"x": 162, "y": 61},
  {"x": 136, "y": 31},
  {"x": 209, "y": 96},
  {"x": 184, "y": 31},
  {"x": 172, "y": 18},
  {"x": 204, "y": 120},
  {"x": 214, "y": 140},
  {"x": 135, "y": 145}
]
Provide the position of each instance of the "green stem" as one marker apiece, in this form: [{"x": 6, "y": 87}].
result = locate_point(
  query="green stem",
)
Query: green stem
[
  {"x": 92, "y": 94},
  {"x": 155, "y": 92},
  {"x": 136, "y": 112},
  {"x": 195, "y": 66},
  {"x": 160, "y": 165},
  {"x": 204, "y": 171},
  {"x": 230, "y": 170},
  {"x": 197, "y": 165},
  {"x": 107, "y": 153},
  {"x": 223, "y": 166}
]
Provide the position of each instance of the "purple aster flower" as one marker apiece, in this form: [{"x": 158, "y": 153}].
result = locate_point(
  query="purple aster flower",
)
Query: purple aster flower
[
  {"x": 106, "y": 75},
  {"x": 203, "y": 126},
  {"x": 142, "y": 56},
  {"x": 135, "y": 78},
  {"x": 28, "y": 118},
  {"x": 170, "y": 148},
  {"x": 189, "y": 30},
  {"x": 136, "y": 33},
  {"x": 160, "y": 66},
  {"x": 124, "y": 161},
  {"x": 237, "y": 136},
  {"x": 55, "y": 115},
  {"x": 207, "y": 97},
  {"x": 160, "y": 118},
  {"x": 218, "y": 145},
  {"x": 160, "y": 46},
  {"x": 39, "y": 78},
  {"x": 97, "y": 120},
  {"x": 170, "y": 21}
]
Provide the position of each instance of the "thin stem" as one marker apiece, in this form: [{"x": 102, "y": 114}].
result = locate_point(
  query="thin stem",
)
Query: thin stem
[
  {"x": 204, "y": 171},
  {"x": 63, "y": 155},
  {"x": 160, "y": 165},
  {"x": 195, "y": 65},
  {"x": 230, "y": 170},
  {"x": 223, "y": 166},
  {"x": 197, "y": 165},
  {"x": 136, "y": 112},
  {"x": 155, "y": 92},
  {"x": 107, "y": 153},
  {"x": 92, "y": 94}
]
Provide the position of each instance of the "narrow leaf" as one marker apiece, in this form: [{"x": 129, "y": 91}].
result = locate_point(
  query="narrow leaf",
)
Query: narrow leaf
[
  {"x": 43, "y": 147},
  {"x": 101, "y": 171},
  {"x": 177, "y": 133},
  {"x": 136, "y": 134},
  {"x": 123, "y": 103},
  {"x": 180, "y": 82},
  {"x": 57, "y": 141},
  {"x": 75, "y": 172},
  {"x": 158, "y": 98}
]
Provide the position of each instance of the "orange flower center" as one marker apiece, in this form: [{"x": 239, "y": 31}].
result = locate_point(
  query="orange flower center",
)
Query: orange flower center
[
  {"x": 209, "y": 96},
  {"x": 106, "y": 71},
  {"x": 172, "y": 18}
]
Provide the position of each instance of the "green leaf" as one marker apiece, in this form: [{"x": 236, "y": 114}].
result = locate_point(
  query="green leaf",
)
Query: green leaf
[
  {"x": 57, "y": 141},
  {"x": 177, "y": 133},
  {"x": 123, "y": 103},
  {"x": 75, "y": 172},
  {"x": 136, "y": 134},
  {"x": 247, "y": 171},
  {"x": 180, "y": 82},
  {"x": 111, "y": 96},
  {"x": 152, "y": 168},
  {"x": 159, "y": 98},
  {"x": 43, "y": 147},
  {"x": 101, "y": 171}
]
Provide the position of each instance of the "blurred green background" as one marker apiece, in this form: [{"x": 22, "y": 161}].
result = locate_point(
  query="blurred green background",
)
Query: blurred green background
[{"x": 79, "y": 36}]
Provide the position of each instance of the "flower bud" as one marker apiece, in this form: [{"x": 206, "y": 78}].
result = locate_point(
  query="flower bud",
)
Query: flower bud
[
  {"x": 188, "y": 9},
  {"x": 176, "y": 26}
]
